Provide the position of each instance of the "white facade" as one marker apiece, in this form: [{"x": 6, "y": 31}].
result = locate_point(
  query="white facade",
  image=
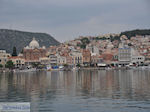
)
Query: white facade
[
  {"x": 17, "y": 61},
  {"x": 61, "y": 60},
  {"x": 3, "y": 57},
  {"x": 93, "y": 49},
  {"x": 124, "y": 55},
  {"x": 45, "y": 61},
  {"x": 77, "y": 57},
  {"x": 53, "y": 59},
  {"x": 137, "y": 59}
]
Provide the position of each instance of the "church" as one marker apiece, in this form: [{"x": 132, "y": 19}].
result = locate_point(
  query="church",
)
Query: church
[{"x": 34, "y": 52}]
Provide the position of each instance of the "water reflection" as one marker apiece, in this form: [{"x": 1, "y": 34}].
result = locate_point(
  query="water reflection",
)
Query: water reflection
[{"x": 75, "y": 90}]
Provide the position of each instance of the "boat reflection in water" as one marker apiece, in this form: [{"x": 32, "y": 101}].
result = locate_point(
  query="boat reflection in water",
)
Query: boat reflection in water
[{"x": 79, "y": 91}]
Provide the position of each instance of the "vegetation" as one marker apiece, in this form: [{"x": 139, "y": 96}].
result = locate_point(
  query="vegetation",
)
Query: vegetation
[
  {"x": 84, "y": 41},
  {"x": 1, "y": 66},
  {"x": 78, "y": 65},
  {"x": 130, "y": 44},
  {"x": 132, "y": 33},
  {"x": 115, "y": 38},
  {"x": 20, "y": 39},
  {"x": 9, "y": 64},
  {"x": 100, "y": 38},
  {"x": 66, "y": 65},
  {"x": 129, "y": 34},
  {"x": 14, "y": 51}
]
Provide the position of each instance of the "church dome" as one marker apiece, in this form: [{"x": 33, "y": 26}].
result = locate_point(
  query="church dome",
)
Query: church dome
[{"x": 34, "y": 44}]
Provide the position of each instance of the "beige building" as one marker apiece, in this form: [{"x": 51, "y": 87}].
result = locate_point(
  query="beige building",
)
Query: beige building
[
  {"x": 45, "y": 61},
  {"x": 77, "y": 57},
  {"x": 86, "y": 57},
  {"x": 4, "y": 57},
  {"x": 61, "y": 60},
  {"x": 17, "y": 61}
]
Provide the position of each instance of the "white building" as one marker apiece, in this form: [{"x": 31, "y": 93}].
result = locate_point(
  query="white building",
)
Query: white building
[
  {"x": 124, "y": 55},
  {"x": 45, "y": 61},
  {"x": 4, "y": 57},
  {"x": 136, "y": 58},
  {"x": 93, "y": 49},
  {"x": 61, "y": 60},
  {"x": 77, "y": 57},
  {"x": 53, "y": 59},
  {"x": 17, "y": 61}
]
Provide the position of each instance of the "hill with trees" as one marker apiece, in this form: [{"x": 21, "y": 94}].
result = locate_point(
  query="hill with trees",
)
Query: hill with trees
[{"x": 132, "y": 33}]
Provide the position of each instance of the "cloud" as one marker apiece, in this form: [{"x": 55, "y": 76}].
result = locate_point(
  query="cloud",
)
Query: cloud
[{"x": 68, "y": 19}]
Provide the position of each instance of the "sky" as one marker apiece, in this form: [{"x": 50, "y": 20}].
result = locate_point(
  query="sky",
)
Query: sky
[{"x": 69, "y": 19}]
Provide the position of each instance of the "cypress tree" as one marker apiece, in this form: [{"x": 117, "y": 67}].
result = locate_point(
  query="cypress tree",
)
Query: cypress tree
[{"x": 14, "y": 51}]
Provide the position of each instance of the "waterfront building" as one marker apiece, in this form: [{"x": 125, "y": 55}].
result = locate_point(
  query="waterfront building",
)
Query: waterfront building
[
  {"x": 45, "y": 61},
  {"x": 33, "y": 52},
  {"x": 69, "y": 60},
  {"x": 17, "y": 61},
  {"x": 86, "y": 57},
  {"x": 124, "y": 55},
  {"x": 136, "y": 58},
  {"x": 107, "y": 58},
  {"x": 95, "y": 59},
  {"x": 4, "y": 57},
  {"x": 77, "y": 57},
  {"x": 53, "y": 59},
  {"x": 61, "y": 60}
]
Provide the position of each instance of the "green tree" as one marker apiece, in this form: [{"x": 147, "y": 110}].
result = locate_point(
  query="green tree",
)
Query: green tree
[
  {"x": 1, "y": 66},
  {"x": 83, "y": 46},
  {"x": 78, "y": 65},
  {"x": 85, "y": 41},
  {"x": 14, "y": 51},
  {"x": 9, "y": 64}
]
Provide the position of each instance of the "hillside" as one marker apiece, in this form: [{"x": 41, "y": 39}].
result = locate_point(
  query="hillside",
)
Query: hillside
[
  {"x": 129, "y": 34},
  {"x": 132, "y": 33},
  {"x": 20, "y": 39}
]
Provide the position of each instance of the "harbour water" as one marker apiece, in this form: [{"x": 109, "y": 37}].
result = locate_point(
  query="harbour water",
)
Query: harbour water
[{"x": 79, "y": 91}]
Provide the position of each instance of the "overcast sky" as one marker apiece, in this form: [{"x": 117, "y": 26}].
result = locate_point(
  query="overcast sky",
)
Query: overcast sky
[{"x": 68, "y": 19}]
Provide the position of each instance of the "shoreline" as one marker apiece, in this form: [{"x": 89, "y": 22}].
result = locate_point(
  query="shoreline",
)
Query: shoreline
[{"x": 77, "y": 69}]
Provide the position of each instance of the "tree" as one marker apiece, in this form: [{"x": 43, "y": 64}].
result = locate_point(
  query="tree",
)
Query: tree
[
  {"x": 66, "y": 65},
  {"x": 83, "y": 46},
  {"x": 14, "y": 51},
  {"x": 1, "y": 66},
  {"x": 78, "y": 65},
  {"x": 9, "y": 64},
  {"x": 85, "y": 41}
]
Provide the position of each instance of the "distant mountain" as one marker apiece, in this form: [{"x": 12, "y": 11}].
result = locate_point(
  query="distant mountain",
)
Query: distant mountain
[{"x": 20, "y": 39}]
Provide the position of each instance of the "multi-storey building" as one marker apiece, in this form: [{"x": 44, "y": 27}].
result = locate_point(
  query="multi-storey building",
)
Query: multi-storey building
[
  {"x": 17, "y": 61},
  {"x": 34, "y": 52},
  {"x": 86, "y": 57},
  {"x": 124, "y": 55},
  {"x": 4, "y": 57},
  {"x": 77, "y": 57}
]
